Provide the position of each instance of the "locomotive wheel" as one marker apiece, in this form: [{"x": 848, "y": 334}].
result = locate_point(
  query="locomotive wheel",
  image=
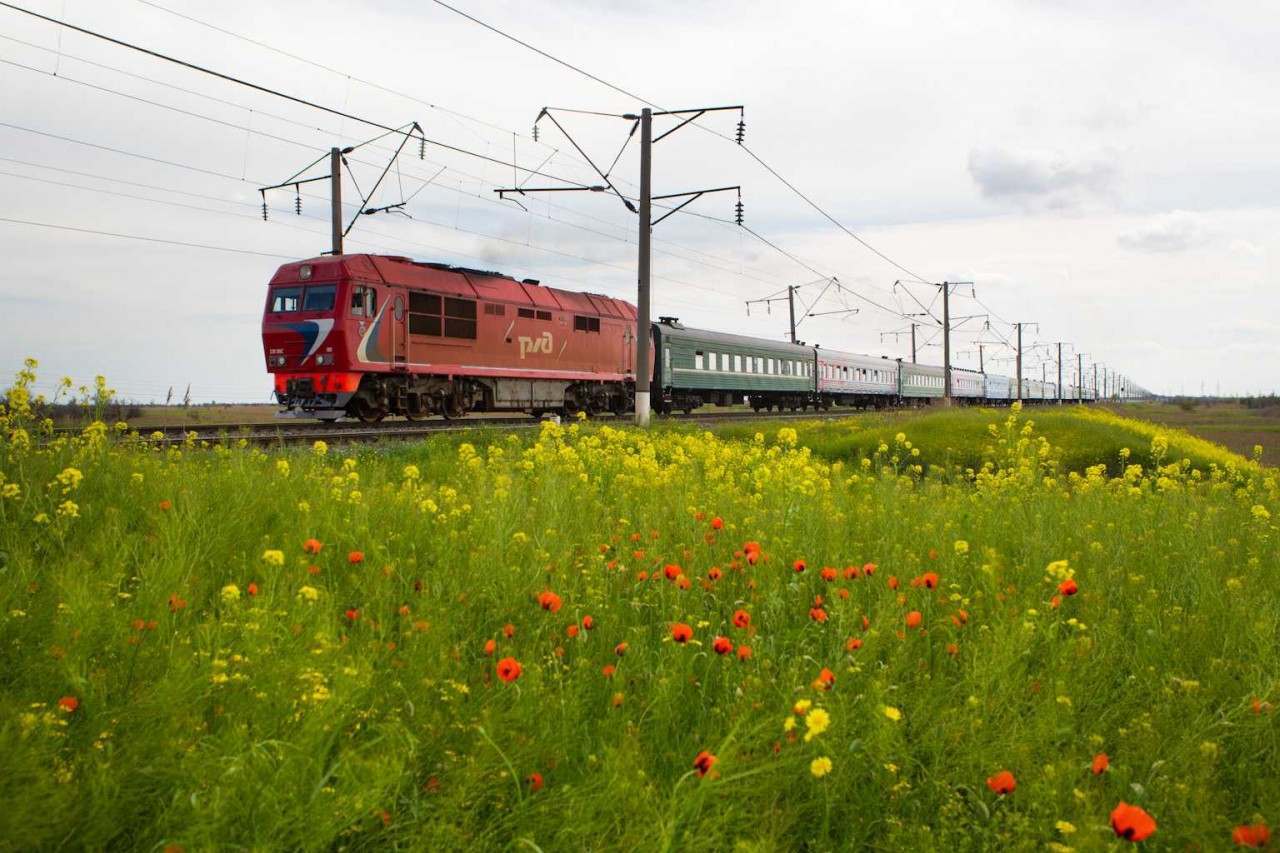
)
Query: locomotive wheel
[{"x": 370, "y": 415}]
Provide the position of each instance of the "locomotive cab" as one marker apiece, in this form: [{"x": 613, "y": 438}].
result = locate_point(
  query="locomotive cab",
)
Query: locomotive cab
[{"x": 303, "y": 336}]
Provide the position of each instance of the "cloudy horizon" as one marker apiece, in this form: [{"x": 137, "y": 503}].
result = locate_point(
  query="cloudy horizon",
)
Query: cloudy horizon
[{"x": 1102, "y": 172}]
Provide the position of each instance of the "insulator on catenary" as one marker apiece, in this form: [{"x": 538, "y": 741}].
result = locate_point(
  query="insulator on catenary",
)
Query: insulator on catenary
[
  {"x": 264, "y": 210},
  {"x": 422, "y": 149},
  {"x": 742, "y": 130},
  {"x": 737, "y": 212},
  {"x": 297, "y": 204},
  {"x": 535, "y": 133}
]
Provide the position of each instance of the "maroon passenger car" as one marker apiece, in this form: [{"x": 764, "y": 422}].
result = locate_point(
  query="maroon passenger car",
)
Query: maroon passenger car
[{"x": 372, "y": 335}]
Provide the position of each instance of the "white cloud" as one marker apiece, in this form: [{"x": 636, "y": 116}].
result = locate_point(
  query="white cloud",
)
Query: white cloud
[
  {"x": 1176, "y": 231},
  {"x": 1042, "y": 180}
]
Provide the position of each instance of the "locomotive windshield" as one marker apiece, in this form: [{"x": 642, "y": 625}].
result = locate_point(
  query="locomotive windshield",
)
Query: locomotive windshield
[{"x": 317, "y": 297}]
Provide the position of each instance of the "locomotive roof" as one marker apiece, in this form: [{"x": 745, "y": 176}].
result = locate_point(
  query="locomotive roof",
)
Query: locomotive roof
[{"x": 458, "y": 281}]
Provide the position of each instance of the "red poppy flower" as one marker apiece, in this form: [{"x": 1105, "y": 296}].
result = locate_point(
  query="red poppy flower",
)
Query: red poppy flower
[
  {"x": 509, "y": 669},
  {"x": 717, "y": 523},
  {"x": 1132, "y": 823},
  {"x": 352, "y": 614},
  {"x": 1100, "y": 764},
  {"x": 703, "y": 762},
  {"x": 608, "y": 670},
  {"x": 681, "y": 632},
  {"x": 355, "y": 557},
  {"x": 869, "y": 569},
  {"x": 176, "y": 603},
  {"x": 893, "y": 582},
  {"x": 953, "y": 649},
  {"x": 572, "y": 630},
  {"x": 850, "y": 572},
  {"x": 751, "y": 548},
  {"x": 914, "y": 618},
  {"x": 253, "y": 588},
  {"x": 817, "y": 614},
  {"x": 1251, "y": 835},
  {"x": 1068, "y": 587},
  {"x": 620, "y": 649},
  {"x": 549, "y": 601},
  {"x": 1002, "y": 783},
  {"x": 829, "y": 574},
  {"x": 672, "y": 571},
  {"x": 69, "y": 704},
  {"x": 826, "y": 678},
  {"x": 683, "y": 582},
  {"x": 535, "y": 781},
  {"x": 744, "y": 653},
  {"x": 798, "y": 566},
  {"x": 853, "y": 644},
  {"x": 166, "y": 505},
  {"x": 508, "y": 630},
  {"x": 588, "y": 623},
  {"x": 714, "y": 573},
  {"x": 722, "y": 645},
  {"x": 313, "y": 570},
  {"x": 930, "y": 580},
  {"x": 490, "y": 646},
  {"x": 312, "y": 546}
]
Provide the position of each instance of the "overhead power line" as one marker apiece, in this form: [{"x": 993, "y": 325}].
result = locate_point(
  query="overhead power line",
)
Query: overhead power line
[
  {"x": 61, "y": 227},
  {"x": 756, "y": 157}
]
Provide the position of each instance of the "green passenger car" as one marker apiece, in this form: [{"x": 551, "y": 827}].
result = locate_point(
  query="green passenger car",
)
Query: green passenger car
[{"x": 693, "y": 367}]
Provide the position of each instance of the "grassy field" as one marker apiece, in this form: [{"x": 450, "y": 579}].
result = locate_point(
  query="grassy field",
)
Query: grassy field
[{"x": 830, "y": 636}]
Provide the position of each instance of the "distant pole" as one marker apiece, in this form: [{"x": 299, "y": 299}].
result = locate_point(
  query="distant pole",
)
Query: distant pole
[
  {"x": 981, "y": 368},
  {"x": 646, "y": 229},
  {"x": 946, "y": 342},
  {"x": 913, "y": 343},
  {"x": 1059, "y": 373},
  {"x": 1079, "y": 377},
  {"x": 1095, "y": 380},
  {"x": 1019, "y": 362},
  {"x": 335, "y": 197},
  {"x": 791, "y": 304}
]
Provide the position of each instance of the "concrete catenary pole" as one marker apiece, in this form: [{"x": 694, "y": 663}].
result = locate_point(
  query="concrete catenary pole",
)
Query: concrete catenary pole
[
  {"x": 1019, "y": 362},
  {"x": 643, "y": 357},
  {"x": 791, "y": 306},
  {"x": 946, "y": 343},
  {"x": 335, "y": 197}
]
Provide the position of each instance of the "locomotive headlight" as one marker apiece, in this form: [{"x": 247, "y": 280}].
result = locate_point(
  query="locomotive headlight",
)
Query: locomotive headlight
[
  {"x": 324, "y": 358},
  {"x": 278, "y": 360}
]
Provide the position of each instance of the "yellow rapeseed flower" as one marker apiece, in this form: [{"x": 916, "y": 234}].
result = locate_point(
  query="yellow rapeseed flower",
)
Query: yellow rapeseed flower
[
  {"x": 820, "y": 766},
  {"x": 273, "y": 557},
  {"x": 308, "y": 593},
  {"x": 319, "y": 448},
  {"x": 230, "y": 593},
  {"x": 891, "y": 712},
  {"x": 962, "y": 547}
]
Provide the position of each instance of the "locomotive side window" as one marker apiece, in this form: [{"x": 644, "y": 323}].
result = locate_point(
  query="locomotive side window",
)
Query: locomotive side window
[
  {"x": 286, "y": 299},
  {"x": 494, "y": 309},
  {"x": 586, "y": 324},
  {"x": 526, "y": 313},
  {"x": 460, "y": 318},
  {"x": 424, "y": 314},
  {"x": 542, "y": 315},
  {"x": 320, "y": 297}
]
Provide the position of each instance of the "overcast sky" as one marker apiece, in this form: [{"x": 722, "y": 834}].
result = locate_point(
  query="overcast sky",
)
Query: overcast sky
[{"x": 1106, "y": 170}]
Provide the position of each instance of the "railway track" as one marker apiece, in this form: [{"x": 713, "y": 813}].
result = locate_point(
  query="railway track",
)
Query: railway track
[{"x": 297, "y": 433}]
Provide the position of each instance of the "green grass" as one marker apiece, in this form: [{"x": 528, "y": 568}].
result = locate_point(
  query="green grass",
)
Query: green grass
[
  {"x": 962, "y": 437},
  {"x": 354, "y": 705}
]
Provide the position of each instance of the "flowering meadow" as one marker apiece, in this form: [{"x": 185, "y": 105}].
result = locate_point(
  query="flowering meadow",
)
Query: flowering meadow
[{"x": 588, "y": 637}]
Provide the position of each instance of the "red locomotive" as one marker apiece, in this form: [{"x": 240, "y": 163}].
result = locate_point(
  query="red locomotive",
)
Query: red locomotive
[{"x": 374, "y": 335}]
